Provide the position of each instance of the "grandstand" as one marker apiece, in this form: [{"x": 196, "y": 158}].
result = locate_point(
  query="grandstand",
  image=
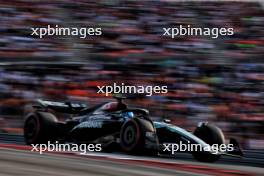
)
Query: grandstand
[{"x": 217, "y": 80}]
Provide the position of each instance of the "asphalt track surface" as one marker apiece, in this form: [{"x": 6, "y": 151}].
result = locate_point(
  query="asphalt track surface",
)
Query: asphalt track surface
[{"x": 17, "y": 159}]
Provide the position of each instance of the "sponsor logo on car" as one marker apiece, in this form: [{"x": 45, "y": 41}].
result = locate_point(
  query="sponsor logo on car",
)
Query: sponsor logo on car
[{"x": 90, "y": 124}]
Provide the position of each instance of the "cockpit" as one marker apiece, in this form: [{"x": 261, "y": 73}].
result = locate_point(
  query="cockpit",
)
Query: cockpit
[{"x": 111, "y": 107}]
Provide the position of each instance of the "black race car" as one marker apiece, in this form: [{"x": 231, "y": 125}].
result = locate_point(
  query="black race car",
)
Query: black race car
[{"x": 116, "y": 126}]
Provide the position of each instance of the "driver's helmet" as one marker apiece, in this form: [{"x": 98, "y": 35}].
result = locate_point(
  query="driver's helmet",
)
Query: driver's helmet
[{"x": 129, "y": 115}]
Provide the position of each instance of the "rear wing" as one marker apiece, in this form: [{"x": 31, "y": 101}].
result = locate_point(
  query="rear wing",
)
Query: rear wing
[{"x": 63, "y": 107}]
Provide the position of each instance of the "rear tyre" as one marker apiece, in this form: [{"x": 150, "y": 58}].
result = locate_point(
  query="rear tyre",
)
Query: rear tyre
[
  {"x": 40, "y": 127},
  {"x": 210, "y": 134}
]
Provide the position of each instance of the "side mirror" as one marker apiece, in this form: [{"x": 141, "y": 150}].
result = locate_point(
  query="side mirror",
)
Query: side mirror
[
  {"x": 69, "y": 104},
  {"x": 167, "y": 120}
]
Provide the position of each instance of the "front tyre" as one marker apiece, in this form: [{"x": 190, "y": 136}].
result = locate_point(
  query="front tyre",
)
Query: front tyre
[
  {"x": 210, "y": 134},
  {"x": 132, "y": 137}
]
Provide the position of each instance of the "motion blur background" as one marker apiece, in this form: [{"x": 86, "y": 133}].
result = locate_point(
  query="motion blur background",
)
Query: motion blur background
[{"x": 216, "y": 80}]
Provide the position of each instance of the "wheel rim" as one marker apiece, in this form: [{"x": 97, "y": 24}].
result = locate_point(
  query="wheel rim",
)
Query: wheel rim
[
  {"x": 129, "y": 135},
  {"x": 31, "y": 128}
]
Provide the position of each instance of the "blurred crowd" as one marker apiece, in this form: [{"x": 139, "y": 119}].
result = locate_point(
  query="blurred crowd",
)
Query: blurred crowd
[{"x": 217, "y": 80}]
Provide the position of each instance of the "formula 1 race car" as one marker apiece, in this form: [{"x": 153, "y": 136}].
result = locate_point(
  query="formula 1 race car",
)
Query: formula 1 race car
[{"x": 116, "y": 126}]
